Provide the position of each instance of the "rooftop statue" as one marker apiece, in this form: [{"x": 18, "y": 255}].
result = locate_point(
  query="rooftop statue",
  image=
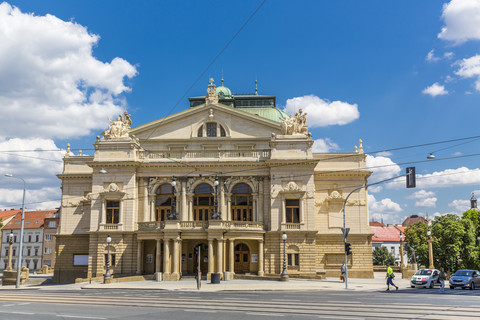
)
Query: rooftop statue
[
  {"x": 211, "y": 97},
  {"x": 118, "y": 128},
  {"x": 295, "y": 125}
]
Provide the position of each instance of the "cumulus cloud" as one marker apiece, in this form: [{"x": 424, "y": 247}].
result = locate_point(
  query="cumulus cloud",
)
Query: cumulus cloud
[
  {"x": 431, "y": 56},
  {"x": 442, "y": 179},
  {"x": 460, "y": 206},
  {"x": 382, "y": 168},
  {"x": 470, "y": 68},
  {"x": 421, "y": 194},
  {"x": 385, "y": 208},
  {"x": 324, "y": 145},
  {"x": 322, "y": 113},
  {"x": 435, "y": 90},
  {"x": 49, "y": 79},
  {"x": 427, "y": 202},
  {"x": 462, "y": 21}
]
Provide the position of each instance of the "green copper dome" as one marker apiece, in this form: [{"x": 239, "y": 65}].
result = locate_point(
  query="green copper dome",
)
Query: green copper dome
[
  {"x": 223, "y": 92},
  {"x": 274, "y": 113}
]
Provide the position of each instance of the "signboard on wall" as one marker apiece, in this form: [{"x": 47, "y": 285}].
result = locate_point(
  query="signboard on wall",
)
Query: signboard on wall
[{"x": 254, "y": 258}]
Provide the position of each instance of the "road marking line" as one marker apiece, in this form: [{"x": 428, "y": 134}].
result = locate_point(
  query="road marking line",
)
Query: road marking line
[
  {"x": 79, "y": 317},
  {"x": 207, "y": 311},
  {"x": 264, "y": 314},
  {"x": 18, "y": 312}
]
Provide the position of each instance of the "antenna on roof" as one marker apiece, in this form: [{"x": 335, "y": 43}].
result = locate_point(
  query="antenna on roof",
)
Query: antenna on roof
[
  {"x": 222, "y": 77},
  {"x": 256, "y": 89}
]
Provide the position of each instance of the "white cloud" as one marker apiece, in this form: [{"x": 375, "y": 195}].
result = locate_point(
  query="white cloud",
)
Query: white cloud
[
  {"x": 435, "y": 90},
  {"x": 462, "y": 21},
  {"x": 47, "y": 198},
  {"x": 442, "y": 179},
  {"x": 324, "y": 145},
  {"x": 322, "y": 113},
  {"x": 427, "y": 202},
  {"x": 448, "y": 55},
  {"x": 421, "y": 194},
  {"x": 460, "y": 206},
  {"x": 470, "y": 68},
  {"x": 49, "y": 80},
  {"x": 385, "y": 208},
  {"x": 382, "y": 168},
  {"x": 431, "y": 56}
]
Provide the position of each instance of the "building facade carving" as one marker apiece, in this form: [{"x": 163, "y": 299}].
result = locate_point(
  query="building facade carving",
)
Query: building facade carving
[{"x": 197, "y": 179}]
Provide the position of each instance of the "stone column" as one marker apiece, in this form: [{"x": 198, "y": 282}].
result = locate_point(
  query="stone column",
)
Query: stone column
[
  {"x": 157, "y": 255},
  {"x": 220, "y": 255},
  {"x": 166, "y": 257},
  {"x": 430, "y": 253},
  {"x": 210, "y": 257},
  {"x": 254, "y": 206},
  {"x": 175, "y": 269},
  {"x": 152, "y": 207},
  {"x": 261, "y": 272},
  {"x": 222, "y": 201},
  {"x": 139, "y": 256},
  {"x": 229, "y": 207},
  {"x": 190, "y": 206},
  {"x": 183, "y": 209},
  {"x": 145, "y": 200},
  {"x": 231, "y": 266},
  {"x": 260, "y": 200},
  {"x": 103, "y": 214}
]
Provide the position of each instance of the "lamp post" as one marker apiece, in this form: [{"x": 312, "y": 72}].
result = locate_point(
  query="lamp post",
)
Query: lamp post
[
  {"x": 108, "y": 277},
  {"x": 19, "y": 264},
  {"x": 215, "y": 215},
  {"x": 430, "y": 247},
  {"x": 10, "y": 243},
  {"x": 284, "y": 275},
  {"x": 401, "y": 252},
  {"x": 173, "y": 214}
]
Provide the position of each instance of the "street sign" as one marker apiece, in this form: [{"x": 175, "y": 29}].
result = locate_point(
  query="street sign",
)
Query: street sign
[{"x": 345, "y": 232}]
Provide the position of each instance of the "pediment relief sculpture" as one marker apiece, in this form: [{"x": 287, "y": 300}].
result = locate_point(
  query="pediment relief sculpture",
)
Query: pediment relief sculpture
[
  {"x": 84, "y": 199},
  {"x": 292, "y": 187},
  {"x": 335, "y": 195},
  {"x": 211, "y": 97},
  {"x": 118, "y": 128},
  {"x": 112, "y": 187},
  {"x": 295, "y": 125}
]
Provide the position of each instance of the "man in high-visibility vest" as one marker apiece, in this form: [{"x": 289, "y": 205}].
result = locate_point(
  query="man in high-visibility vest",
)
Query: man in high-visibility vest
[{"x": 389, "y": 278}]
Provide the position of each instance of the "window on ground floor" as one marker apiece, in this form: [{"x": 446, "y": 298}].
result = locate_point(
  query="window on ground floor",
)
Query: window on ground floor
[{"x": 112, "y": 259}]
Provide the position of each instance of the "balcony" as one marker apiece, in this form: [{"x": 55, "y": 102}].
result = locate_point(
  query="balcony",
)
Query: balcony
[
  {"x": 205, "y": 155},
  {"x": 202, "y": 225},
  {"x": 110, "y": 227}
]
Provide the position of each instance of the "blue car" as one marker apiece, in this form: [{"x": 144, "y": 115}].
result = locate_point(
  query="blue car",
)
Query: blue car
[{"x": 465, "y": 279}]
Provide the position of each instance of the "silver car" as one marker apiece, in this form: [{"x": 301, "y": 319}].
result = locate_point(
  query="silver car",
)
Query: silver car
[{"x": 465, "y": 279}]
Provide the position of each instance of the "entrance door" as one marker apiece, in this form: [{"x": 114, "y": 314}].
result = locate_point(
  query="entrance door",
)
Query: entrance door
[
  {"x": 203, "y": 260},
  {"x": 242, "y": 258}
]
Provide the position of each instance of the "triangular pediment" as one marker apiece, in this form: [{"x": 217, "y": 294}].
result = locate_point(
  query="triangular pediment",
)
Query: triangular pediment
[{"x": 185, "y": 125}]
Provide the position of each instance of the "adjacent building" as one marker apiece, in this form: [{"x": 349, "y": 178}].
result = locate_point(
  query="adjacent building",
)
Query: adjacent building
[
  {"x": 389, "y": 237},
  {"x": 229, "y": 175},
  {"x": 32, "y": 239},
  {"x": 50, "y": 227}
]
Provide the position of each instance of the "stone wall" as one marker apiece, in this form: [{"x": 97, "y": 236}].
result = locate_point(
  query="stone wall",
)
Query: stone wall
[{"x": 66, "y": 247}]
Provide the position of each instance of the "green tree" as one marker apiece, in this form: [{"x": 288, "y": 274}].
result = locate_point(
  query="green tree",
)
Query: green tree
[
  {"x": 382, "y": 257},
  {"x": 448, "y": 233},
  {"x": 1, "y": 223},
  {"x": 416, "y": 244},
  {"x": 472, "y": 215},
  {"x": 469, "y": 253}
]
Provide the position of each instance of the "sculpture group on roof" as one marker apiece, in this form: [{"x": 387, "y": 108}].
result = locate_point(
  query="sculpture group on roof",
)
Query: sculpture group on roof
[
  {"x": 118, "y": 128},
  {"x": 297, "y": 124}
]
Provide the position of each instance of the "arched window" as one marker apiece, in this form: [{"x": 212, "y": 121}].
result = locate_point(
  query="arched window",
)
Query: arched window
[
  {"x": 203, "y": 205},
  {"x": 200, "y": 132},
  {"x": 242, "y": 202},
  {"x": 222, "y": 132},
  {"x": 212, "y": 129},
  {"x": 163, "y": 202}
]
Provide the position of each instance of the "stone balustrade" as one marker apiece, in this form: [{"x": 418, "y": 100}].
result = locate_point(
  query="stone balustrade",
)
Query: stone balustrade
[{"x": 205, "y": 155}]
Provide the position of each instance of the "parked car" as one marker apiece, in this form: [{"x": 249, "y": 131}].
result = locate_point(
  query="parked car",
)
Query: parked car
[
  {"x": 465, "y": 279},
  {"x": 425, "y": 278}
]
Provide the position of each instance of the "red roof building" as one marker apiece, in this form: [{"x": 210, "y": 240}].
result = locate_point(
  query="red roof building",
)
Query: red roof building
[
  {"x": 389, "y": 237},
  {"x": 413, "y": 219},
  {"x": 376, "y": 224}
]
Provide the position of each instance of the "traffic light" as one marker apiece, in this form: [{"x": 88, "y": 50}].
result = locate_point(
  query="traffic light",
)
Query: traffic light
[
  {"x": 195, "y": 250},
  {"x": 348, "y": 248},
  {"x": 410, "y": 177}
]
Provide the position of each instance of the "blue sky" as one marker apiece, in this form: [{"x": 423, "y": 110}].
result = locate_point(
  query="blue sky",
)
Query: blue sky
[{"x": 390, "y": 73}]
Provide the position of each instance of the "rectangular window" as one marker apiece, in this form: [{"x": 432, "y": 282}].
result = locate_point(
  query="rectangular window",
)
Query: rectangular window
[
  {"x": 292, "y": 209},
  {"x": 211, "y": 129},
  {"x": 30, "y": 238},
  {"x": 48, "y": 250},
  {"x": 52, "y": 224},
  {"x": 37, "y": 238},
  {"x": 113, "y": 212},
  {"x": 28, "y": 252},
  {"x": 36, "y": 252},
  {"x": 6, "y": 252},
  {"x": 49, "y": 237},
  {"x": 47, "y": 263},
  {"x": 293, "y": 259},
  {"x": 80, "y": 259},
  {"x": 13, "y": 251}
]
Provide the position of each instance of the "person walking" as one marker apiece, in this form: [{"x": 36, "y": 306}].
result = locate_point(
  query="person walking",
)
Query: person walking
[
  {"x": 389, "y": 278},
  {"x": 344, "y": 271},
  {"x": 441, "y": 279}
]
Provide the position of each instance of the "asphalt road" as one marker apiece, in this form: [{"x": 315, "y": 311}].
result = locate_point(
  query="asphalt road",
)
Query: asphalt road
[{"x": 173, "y": 305}]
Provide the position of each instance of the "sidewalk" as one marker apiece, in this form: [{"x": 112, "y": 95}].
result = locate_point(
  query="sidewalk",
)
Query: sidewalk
[{"x": 375, "y": 284}]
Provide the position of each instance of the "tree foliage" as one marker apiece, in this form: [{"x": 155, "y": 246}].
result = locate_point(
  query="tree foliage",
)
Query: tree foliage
[
  {"x": 382, "y": 257},
  {"x": 416, "y": 243},
  {"x": 472, "y": 215}
]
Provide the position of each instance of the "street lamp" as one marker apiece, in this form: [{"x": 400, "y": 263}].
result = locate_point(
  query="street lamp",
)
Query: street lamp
[
  {"x": 10, "y": 243},
  {"x": 19, "y": 264},
  {"x": 401, "y": 251},
  {"x": 173, "y": 214},
  {"x": 430, "y": 247},
  {"x": 284, "y": 275},
  {"x": 215, "y": 215},
  {"x": 108, "y": 276}
]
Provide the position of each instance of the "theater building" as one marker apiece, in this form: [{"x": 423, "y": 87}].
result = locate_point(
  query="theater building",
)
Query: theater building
[{"x": 231, "y": 175}]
